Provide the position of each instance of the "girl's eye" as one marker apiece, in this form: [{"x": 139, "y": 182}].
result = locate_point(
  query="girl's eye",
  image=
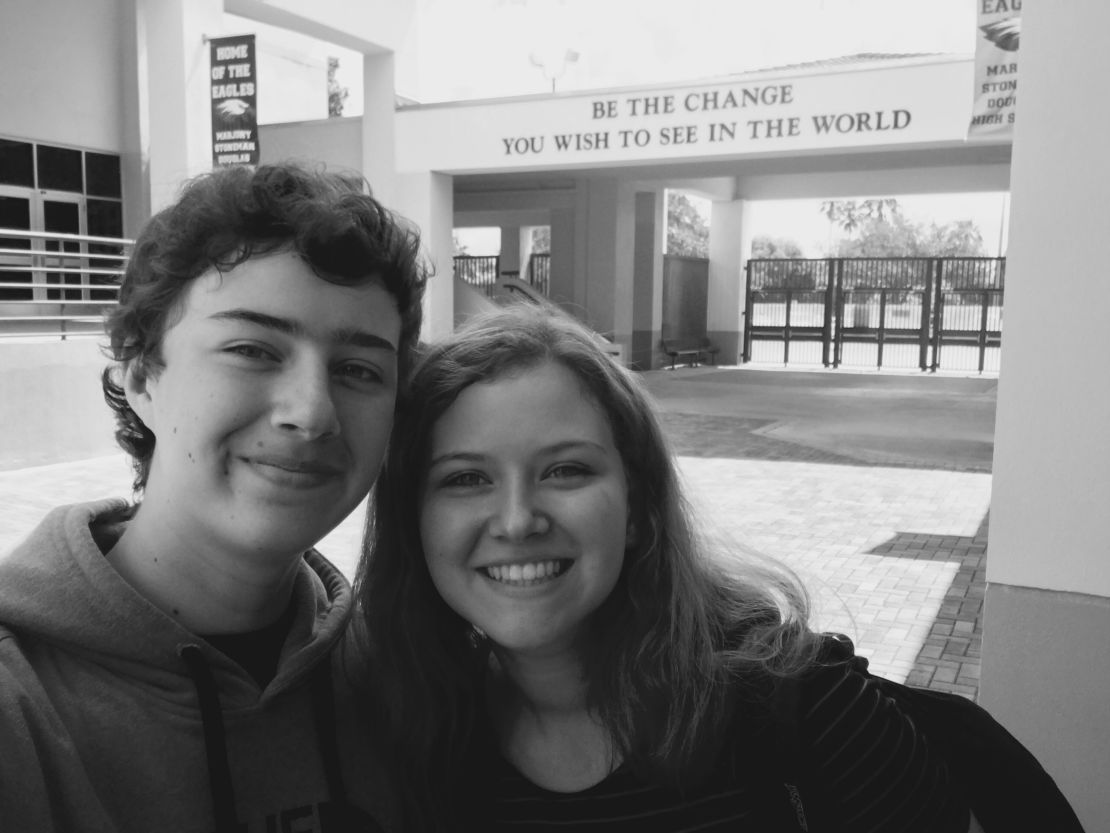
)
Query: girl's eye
[
  {"x": 565, "y": 470},
  {"x": 463, "y": 480}
]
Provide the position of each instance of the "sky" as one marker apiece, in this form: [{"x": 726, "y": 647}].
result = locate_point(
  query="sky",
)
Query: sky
[
  {"x": 483, "y": 48},
  {"x": 492, "y": 48}
]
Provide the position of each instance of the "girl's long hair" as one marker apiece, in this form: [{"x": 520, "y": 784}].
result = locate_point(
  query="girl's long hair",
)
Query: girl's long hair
[{"x": 671, "y": 649}]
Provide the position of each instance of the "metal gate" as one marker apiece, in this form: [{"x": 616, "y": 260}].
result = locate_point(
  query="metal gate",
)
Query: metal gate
[{"x": 928, "y": 313}]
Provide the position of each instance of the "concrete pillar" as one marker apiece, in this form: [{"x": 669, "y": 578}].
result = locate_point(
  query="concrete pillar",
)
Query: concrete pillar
[
  {"x": 135, "y": 127},
  {"x": 525, "y": 248},
  {"x": 1046, "y": 641},
  {"x": 427, "y": 199},
  {"x": 647, "y": 299},
  {"x": 378, "y": 108},
  {"x": 729, "y": 248},
  {"x": 624, "y": 273},
  {"x": 172, "y": 112},
  {"x": 603, "y": 285},
  {"x": 563, "y": 258},
  {"x": 511, "y": 260}
]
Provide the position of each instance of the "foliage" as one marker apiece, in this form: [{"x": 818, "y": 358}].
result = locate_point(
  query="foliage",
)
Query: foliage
[
  {"x": 687, "y": 229},
  {"x": 764, "y": 246},
  {"x": 850, "y": 215},
  {"x": 877, "y": 228},
  {"x": 337, "y": 95},
  {"x": 460, "y": 247},
  {"x": 541, "y": 240}
]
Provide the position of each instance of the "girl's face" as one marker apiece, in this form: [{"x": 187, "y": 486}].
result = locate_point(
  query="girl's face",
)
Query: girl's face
[{"x": 524, "y": 511}]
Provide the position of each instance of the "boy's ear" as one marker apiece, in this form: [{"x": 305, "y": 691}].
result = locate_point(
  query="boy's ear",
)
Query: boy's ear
[{"x": 135, "y": 388}]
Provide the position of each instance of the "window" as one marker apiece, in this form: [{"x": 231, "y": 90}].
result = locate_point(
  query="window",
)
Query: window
[
  {"x": 60, "y": 169},
  {"x": 17, "y": 163}
]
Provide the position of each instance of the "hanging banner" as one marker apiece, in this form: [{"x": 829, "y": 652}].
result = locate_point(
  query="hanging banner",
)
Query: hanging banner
[
  {"x": 234, "y": 101},
  {"x": 996, "y": 67}
]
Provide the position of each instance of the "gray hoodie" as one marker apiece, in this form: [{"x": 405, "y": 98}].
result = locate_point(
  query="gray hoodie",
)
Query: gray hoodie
[{"x": 115, "y": 718}]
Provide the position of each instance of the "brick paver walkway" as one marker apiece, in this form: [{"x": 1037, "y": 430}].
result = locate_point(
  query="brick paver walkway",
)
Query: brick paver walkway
[{"x": 893, "y": 555}]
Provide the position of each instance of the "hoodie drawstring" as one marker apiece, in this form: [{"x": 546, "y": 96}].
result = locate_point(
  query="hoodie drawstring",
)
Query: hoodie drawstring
[{"x": 215, "y": 740}]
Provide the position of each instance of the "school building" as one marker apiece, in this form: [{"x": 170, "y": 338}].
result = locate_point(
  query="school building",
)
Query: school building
[{"x": 106, "y": 106}]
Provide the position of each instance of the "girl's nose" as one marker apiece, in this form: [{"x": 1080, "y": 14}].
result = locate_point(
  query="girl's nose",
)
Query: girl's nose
[{"x": 517, "y": 517}]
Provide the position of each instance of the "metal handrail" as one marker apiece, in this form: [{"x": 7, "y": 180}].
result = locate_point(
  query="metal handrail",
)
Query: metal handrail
[
  {"x": 57, "y": 235},
  {"x": 64, "y": 295},
  {"x": 64, "y": 255}
]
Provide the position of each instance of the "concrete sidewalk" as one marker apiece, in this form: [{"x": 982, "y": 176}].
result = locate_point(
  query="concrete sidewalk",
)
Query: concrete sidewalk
[{"x": 875, "y": 488}]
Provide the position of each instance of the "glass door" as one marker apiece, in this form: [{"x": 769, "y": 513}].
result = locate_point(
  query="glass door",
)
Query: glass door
[
  {"x": 63, "y": 214},
  {"x": 15, "y": 213}
]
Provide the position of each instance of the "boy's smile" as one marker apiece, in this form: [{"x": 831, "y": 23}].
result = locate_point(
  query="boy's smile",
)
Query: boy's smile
[{"x": 272, "y": 409}]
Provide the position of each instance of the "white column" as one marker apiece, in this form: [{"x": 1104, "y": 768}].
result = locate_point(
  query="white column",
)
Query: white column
[
  {"x": 729, "y": 248},
  {"x": 1046, "y": 641},
  {"x": 171, "y": 126},
  {"x": 647, "y": 301},
  {"x": 563, "y": 258},
  {"x": 605, "y": 224},
  {"x": 511, "y": 260},
  {"x": 378, "y": 143},
  {"x": 427, "y": 199}
]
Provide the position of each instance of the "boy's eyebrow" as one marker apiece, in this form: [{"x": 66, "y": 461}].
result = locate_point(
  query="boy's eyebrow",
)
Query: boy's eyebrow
[{"x": 343, "y": 335}]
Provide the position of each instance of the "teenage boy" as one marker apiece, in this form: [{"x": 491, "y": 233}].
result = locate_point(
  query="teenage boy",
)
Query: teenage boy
[{"x": 167, "y": 665}]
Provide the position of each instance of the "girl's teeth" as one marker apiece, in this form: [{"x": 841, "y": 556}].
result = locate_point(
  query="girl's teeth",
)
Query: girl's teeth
[{"x": 524, "y": 573}]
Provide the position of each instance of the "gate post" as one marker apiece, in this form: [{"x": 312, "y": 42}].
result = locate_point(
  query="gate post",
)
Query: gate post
[
  {"x": 983, "y": 330},
  {"x": 786, "y": 329},
  {"x": 938, "y": 314},
  {"x": 838, "y": 322},
  {"x": 830, "y": 295},
  {"x": 926, "y": 313},
  {"x": 747, "y": 354}
]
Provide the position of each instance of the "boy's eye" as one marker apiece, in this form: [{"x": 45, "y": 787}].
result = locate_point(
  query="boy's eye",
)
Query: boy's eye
[
  {"x": 251, "y": 351},
  {"x": 359, "y": 373}
]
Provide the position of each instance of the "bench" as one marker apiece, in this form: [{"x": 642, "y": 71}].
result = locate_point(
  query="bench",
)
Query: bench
[{"x": 690, "y": 350}]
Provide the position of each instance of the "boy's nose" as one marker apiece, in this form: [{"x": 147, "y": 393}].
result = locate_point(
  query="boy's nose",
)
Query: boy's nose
[{"x": 304, "y": 403}]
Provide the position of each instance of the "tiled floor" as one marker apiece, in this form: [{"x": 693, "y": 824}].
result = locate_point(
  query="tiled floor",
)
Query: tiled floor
[{"x": 894, "y": 555}]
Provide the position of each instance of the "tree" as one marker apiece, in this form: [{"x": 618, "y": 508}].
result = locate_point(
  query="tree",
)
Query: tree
[
  {"x": 541, "y": 240},
  {"x": 850, "y": 215},
  {"x": 877, "y": 228},
  {"x": 764, "y": 246},
  {"x": 460, "y": 247},
  {"x": 687, "y": 229},
  {"x": 337, "y": 95}
]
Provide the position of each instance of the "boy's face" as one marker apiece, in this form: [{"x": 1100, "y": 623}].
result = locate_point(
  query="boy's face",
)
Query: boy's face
[{"x": 273, "y": 408}]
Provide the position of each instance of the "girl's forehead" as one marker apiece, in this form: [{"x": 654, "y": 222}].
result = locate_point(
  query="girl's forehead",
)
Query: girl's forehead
[{"x": 546, "y": 393}]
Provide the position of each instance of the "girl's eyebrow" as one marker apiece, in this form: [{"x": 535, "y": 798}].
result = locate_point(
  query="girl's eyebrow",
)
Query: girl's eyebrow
[
  {"x": 290, "y": 326},
  {"x": 554, "y": 448},
  {"x": 456, "y": 457}
]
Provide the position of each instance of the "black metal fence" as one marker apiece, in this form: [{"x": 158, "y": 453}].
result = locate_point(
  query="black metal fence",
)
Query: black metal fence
[
  {"x": 481, "y": 271},
  {"x": 930, "y": 313},
  {"x": 539, "y": 272}
]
